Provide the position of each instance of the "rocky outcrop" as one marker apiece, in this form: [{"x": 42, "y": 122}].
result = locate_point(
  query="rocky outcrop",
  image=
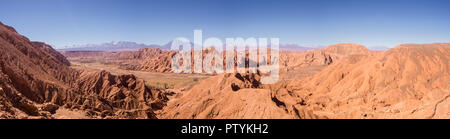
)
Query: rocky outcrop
[
  {"x": 409, "y": 81},
  {"x": 110, "y": 95},
  {"x": 35, "y": 81},
  {"x": 319, "y": 57},
  {"x": 155, "y": 60},
  {"x": 52, "y": 52},
  {"x": 226, "y": 96},
  {"x": 145, "y": 59}
]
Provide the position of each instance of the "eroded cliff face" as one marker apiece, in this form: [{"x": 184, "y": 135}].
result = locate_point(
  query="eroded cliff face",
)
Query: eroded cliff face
[
  {"x": 321, "y": 57},
  {"x": 35, "y": 81},
  {"x": 54, "y": 54},
  {"x": 409, "y": 81},
  {"x": 225, "y": 96},
  {"x": 145, "y": 59},
  {"x": 122, "y": 96},
  {"x": 157, "y": 61}
]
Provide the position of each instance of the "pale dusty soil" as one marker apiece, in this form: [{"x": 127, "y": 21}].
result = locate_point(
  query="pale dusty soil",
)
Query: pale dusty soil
[
  {"x": 63, "y": 113},
  {"x": 157, "y": 79}
]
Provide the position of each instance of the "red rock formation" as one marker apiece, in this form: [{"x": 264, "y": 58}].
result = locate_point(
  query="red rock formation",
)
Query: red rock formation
[
  {"x": 154, "y": 60},
  {"x": 409, "y": 81},
  {"x": 225, "y": 96},
  {"x": 145, "y": 59},
  {"x": 319, "y": 57},
  {"x": 49, "y": 50},
  {"x": 35, "y": 80}
]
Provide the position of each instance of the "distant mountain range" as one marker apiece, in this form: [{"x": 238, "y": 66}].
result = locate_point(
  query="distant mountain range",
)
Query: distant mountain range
[
  {"x": 125, "y": 45},
  {"x": 114, "y": 46},
  {"x": 378, "y": 48}
]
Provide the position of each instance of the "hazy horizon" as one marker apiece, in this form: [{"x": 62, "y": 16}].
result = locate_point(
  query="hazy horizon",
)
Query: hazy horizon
[{"x": 306, "y": 23}]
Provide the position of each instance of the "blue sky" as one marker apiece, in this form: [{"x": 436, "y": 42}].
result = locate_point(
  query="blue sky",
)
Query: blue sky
[{"x": 308, "y": 22}]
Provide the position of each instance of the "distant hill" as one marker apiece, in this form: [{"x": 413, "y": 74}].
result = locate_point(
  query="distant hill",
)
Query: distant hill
[
  {"x": 295, "y": 47},
  {"x": 378, "y": 48}
]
